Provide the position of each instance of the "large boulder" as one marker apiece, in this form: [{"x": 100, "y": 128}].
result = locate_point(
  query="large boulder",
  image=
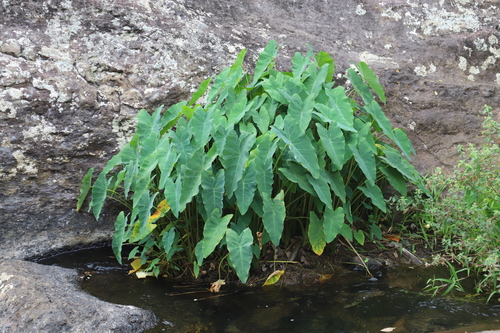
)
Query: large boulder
[
  {"x": 36, "y": 298},
  {"x": 74, "y": 73}
]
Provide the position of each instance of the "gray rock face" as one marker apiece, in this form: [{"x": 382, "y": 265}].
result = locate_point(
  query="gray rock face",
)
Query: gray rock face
[
  {"x": 37, "y": 298},
  {"x": 73, "y": 74}
]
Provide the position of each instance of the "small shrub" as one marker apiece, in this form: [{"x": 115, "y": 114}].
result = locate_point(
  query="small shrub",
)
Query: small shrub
[
  {"x": 263, "y": 158},
  {"x": 462, "y": 213}
]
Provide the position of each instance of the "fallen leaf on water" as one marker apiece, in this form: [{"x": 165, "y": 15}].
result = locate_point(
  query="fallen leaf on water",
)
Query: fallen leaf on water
[
  {"x": 136, "y": 265},
  {"x": 142, "y": 274},
  {"x": 388, "y": 329},
  {"x": 273, "y": 278},
  {"x": 215, "y": 287},
  {"x": 324, "y": 277}
]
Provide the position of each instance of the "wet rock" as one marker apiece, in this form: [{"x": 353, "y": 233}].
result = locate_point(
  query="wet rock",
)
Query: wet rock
[{"x": 38, "y": 298}]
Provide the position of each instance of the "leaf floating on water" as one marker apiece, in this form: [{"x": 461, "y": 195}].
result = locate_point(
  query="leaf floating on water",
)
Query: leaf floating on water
[
  {"x": 136, "y": 265},
  {"x": 324, "y": 277},
  {"x": 215, "y": 287},
  {"x": 273, "y": 278},
  {"x": 388, "y": 329},
  {"x": 142, "y": 274}
]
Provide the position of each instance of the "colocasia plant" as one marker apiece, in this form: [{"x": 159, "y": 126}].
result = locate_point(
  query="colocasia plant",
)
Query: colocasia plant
[{"x": 262, "y": 158}]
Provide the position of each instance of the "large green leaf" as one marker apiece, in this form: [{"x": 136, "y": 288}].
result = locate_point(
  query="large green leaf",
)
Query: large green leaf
[
  {"x": 264, "y": 163},
  {"x": 245, "y": 190},
  {"x": 235, "y": 107},
  {"x": 214, "y": 230},
  {"x": 212, "y": 190},
  {"x": 99, "y": 193},
  {"x": 191, "y": 179},
  {"x": 299, "y": 144},
  {"x": 339, "y": 109},
  {"x": 264, "y": 62},
  {"x": 166, "y": 162},
  {"x": 301, "y": 110},
  {"x": 365, "y": 159},
  {"x": 200, "y": 91},
  {"x": 169, "y": 241},
  {"x": 202, "y": 125},
  {"x": 375, "y": 194},
  {"x": 274, "y": 216},
  {"x": 374, "y": 109},
  {"x": 118, "y": 236},
  {"x": 234, "y": 156},
  {"x": 337, "y": 185},
  {"x": 240, "y": 251},
  {"x": 300, "y": 63},
  {"x": 403, "y": 142},
  {"x": 322, "y": 188},
  {"x": 361, "y": 88},
  {"x": 297, "y": 174},
  {"x": 395, "y": 159},
  {"x": 275, "y": 87},
  {"x": 84, "y": 189},
  {"x": 316, "y": 234},
  {"x": 333, "y": 220},
  {"x": 173, "y": 193},
  {"x": 323, "y": 58},
  {"x": 334, "y": 143},
  {"x": 395, "y": 178},
  {"x": 372, "y": 80},
  {"x": 142, "y": 210}
]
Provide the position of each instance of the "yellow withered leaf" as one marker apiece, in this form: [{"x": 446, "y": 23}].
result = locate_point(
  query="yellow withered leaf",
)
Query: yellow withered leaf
[
  {"x": 274, "y": 277},
  {"x": 136, "y": 265},
  {"x": 162, "y": 209}
]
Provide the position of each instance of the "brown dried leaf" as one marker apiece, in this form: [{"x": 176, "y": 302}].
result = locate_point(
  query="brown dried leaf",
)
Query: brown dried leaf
[{"x": 215, "y": 287}]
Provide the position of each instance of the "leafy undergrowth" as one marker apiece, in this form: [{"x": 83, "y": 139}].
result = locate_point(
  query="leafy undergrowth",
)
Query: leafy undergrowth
[{"x": 459, "y": 218}]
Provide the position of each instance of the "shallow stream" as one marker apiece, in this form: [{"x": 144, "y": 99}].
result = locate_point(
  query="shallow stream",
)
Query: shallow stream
[{"x": 348, "y": 302}]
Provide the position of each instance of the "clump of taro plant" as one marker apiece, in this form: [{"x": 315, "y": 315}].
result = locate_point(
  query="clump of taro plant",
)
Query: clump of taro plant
[{"x": 262, "y": 158}]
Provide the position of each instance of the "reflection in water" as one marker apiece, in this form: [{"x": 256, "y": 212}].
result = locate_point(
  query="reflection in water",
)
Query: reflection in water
[{"x": 349, "y": 302}]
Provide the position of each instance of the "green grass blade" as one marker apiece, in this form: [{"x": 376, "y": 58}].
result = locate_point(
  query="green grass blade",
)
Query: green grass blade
[
  {"x": 274, "y": 216},
  {"x": 240, "y": 251}
]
